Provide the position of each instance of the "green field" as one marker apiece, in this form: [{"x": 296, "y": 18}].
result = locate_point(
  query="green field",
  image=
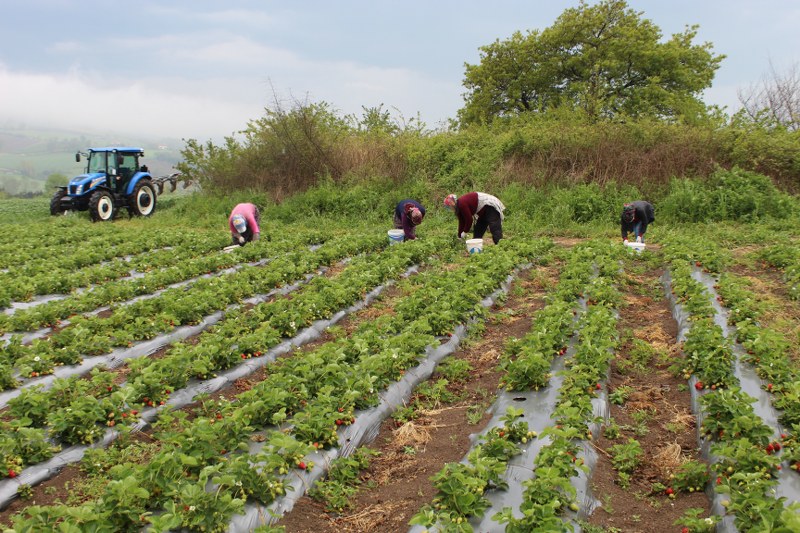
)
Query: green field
[{"x": 167, "y": 326}]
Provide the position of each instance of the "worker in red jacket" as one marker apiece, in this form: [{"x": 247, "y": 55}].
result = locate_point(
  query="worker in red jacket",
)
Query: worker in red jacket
[
  {"x": 243, "y": 223},
  {"x": 484, "y": 210}
]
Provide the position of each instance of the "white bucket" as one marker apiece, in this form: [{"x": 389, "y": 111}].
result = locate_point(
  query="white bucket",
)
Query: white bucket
[
  {"x": 395, "y": 236},
  {"x": 638, "y": 246},
  {"x": 474, "y": 246}
]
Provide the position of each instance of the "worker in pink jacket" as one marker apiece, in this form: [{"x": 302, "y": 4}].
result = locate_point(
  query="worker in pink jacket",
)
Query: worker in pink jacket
[{"x": 243, "y": 223}]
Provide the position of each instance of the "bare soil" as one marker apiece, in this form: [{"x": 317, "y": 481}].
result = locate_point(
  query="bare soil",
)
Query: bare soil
[{"x": 656, "y": 413}]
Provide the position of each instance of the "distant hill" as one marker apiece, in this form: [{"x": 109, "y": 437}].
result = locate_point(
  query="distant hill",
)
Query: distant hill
[{"x": 28, "y": 156}]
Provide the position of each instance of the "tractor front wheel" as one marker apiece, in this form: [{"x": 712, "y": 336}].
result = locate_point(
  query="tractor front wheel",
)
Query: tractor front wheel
[
  {"x": 55, "y": 203},
  {"x": 101, "y": 206},
  {"x": 143, "y": 200}
]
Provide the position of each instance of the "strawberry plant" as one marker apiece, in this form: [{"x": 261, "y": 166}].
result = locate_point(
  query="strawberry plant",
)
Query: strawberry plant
[
  {"x": 693, "y": 522},
  {"x": 626, "y": 458},
  {"x": 246, "y": 479},
  {"x": 730, "y": 415},
  {"x": 690, "y": 476},
  {"x": 78, "y": 423},
  {"x": 342, "y": 482}
]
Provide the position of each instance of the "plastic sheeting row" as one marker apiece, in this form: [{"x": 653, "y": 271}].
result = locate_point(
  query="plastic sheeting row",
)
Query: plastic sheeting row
[{"x": 788, "y": 482}]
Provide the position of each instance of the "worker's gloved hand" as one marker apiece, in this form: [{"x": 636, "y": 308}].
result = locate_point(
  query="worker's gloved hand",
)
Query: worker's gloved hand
[
  {"x": 624, "y": 241},
  {"x": 241, "y": 240},
  {"x": 463, "y": 235}
]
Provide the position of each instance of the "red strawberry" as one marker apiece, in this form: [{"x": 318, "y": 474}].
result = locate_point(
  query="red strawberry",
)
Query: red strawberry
[
  {"x": 669, "y": 491},
  {"x": 698, "y": 385},
  {"x": 11, "y": 473},
  {"x": 301, "y": 465},
  {"x": 598, "y": 386}
]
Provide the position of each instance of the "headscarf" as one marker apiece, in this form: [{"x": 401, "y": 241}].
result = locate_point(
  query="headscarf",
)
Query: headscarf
[
  {"x": 450, "y": 201},
  {"x": 416, "y": 216}
]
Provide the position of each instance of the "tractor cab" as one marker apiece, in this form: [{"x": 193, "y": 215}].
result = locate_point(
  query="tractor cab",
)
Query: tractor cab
[{"x": 118, "y": 166}]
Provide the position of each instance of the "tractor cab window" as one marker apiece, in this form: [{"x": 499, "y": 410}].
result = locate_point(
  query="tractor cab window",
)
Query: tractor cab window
[
  {"x": 97, "y": 162},
  {"x": 126, "y": 165}
]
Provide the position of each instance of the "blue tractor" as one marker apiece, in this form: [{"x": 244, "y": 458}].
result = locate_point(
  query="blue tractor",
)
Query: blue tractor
[{"x": 113, "y": 180}]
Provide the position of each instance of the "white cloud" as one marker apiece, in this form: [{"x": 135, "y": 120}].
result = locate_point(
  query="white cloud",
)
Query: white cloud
[
  {"x": 73, "y": 102},
  {"x": 213, "y": 107}
]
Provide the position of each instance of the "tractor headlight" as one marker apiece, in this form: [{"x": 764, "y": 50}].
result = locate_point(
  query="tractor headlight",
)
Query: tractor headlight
[{"x": 79, "y": 189}]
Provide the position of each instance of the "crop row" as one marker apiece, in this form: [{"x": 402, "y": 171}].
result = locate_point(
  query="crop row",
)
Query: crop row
[
  {"x": 60, "y": 274},
  {"x": 550, "y": 496},
  {"x": 145, "y": 319},
  {"x": 747, "y": 463},
  {"x": 78, "y": 410},
  {"x": 177, "y": 270},
  {"x": 461, "y": 487},
  {"x": 787, "y": 258},
  {"x": 766, "y": 349},
  {"x": 304, "y": 395},
  {"x": 50, "y": 240}
]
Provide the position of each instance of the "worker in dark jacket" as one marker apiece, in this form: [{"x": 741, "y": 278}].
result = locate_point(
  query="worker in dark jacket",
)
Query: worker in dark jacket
[
  {"x": 484, "y": 210},
  {"x": 635, "y": 218},
  {"x": 407, "y": 216}
]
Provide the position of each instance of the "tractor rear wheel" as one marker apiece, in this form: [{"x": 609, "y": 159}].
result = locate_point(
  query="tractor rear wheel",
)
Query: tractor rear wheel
[
  {"x": 101, "y": 206},
  {"x": 55, "y": 203},
  {"x": 143, "y": 200}
]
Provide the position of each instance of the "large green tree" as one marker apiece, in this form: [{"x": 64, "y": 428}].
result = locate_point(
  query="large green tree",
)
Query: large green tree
[{"x": 605, "y": 59}]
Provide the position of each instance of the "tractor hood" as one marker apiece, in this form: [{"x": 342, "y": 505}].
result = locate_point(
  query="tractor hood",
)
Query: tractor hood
[{"x": 84, "y": 182}]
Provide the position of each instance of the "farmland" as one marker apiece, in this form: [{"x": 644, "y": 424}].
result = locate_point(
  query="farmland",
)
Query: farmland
[{"x": 321, "y": 379}]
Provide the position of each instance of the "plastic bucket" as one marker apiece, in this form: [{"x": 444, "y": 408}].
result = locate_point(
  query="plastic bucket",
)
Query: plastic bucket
[
  {"x": 638, "y": 246},
  {"x": 474, "y": 246},
  {"x": 395, "y": 236}
]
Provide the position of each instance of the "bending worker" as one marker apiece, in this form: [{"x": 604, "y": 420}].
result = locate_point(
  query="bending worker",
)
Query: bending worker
[
  {"x": 635, "y": 218},
  {"x": 483, "y": 209},
  {"x": 407, "y": 216},
  {"x": 243, "y": 223}
]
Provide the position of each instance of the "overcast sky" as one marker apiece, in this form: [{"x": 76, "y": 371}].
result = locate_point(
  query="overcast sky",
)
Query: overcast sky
[{"x": 202, "y": 69}]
